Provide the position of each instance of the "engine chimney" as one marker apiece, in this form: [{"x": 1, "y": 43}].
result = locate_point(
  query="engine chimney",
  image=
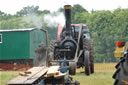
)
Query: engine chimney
[{"x": 68, "y": 19}]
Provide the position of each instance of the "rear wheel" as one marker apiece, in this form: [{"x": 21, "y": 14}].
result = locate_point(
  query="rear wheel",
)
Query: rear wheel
[
  {"x": 121, "y": 74},
  {"x": 72, "y": 68},
  {"x": 92, "y": 66},
  {"x": 87, "y": 63}
]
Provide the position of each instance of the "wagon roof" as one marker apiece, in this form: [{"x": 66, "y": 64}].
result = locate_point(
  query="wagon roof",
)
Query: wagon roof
[{"x": 18, "y": 30}]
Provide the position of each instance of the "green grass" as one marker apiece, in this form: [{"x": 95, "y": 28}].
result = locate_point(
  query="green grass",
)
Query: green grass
[
  {"x": 98, "y": 78},
  {"x": 5, "y": 76}
]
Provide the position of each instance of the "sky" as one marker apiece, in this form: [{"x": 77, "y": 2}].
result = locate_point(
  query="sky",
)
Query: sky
[{"x": 12, "y": 6}]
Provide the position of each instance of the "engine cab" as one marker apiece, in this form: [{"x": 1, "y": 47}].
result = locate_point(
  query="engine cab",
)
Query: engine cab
[{"x": 75, "y": 31}]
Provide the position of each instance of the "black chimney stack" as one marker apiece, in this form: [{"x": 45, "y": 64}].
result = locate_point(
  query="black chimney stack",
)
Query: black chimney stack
[{"x": 68, "y": 19}]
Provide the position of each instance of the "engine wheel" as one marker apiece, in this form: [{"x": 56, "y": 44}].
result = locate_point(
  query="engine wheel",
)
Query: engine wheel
[
  {"x": 77, "y": 83},
  {"x": 72, "y": 68},
  {"x": 92, "y": 66},
  {"x": 121, "y": 74},
  {"x": 87, "y": 63}
]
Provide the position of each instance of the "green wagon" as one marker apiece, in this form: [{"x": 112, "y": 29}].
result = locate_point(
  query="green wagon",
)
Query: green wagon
[{"x": 18, "y": 46}]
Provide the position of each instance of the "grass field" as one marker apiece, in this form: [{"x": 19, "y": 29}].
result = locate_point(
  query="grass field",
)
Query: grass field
[
  {"x": 98, "y": 78},
  {"x": 5, "y": 76},
  {"x": 102, "y": 76}
]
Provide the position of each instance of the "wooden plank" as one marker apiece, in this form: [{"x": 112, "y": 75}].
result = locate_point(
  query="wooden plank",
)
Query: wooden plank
[
  {"x": 36, "y": 72},
  {"x": 36, "y": 76},
  {"x": 23, "y": 74},
  {"x": 124, "y": 82},
  {"x": 60, "y": 75},
  {"x": 53, "y": 70}
]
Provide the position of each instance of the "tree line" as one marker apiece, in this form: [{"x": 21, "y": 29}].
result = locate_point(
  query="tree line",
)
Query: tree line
[{"x": 106, "y": 27}]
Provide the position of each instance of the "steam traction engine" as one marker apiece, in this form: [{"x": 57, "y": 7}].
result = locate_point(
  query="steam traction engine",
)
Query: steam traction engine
[{"x": 74, "y": 46}]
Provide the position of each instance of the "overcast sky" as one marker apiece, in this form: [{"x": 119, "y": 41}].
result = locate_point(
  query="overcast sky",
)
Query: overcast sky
[{"x": 12, "y": 6}]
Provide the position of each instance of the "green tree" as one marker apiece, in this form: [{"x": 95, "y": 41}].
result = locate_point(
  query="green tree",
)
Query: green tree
[
  {"x": 31, "y": 10},
  {"x": 77, "y": 9}
]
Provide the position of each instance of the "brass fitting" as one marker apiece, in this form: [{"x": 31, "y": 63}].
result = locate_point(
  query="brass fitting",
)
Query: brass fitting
[{"x": 67, "y": 7}]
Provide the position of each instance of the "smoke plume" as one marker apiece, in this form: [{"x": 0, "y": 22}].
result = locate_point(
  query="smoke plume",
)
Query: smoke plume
[
  {"x": 51, "y": 20},
  {"x": 55, "y": 19}
]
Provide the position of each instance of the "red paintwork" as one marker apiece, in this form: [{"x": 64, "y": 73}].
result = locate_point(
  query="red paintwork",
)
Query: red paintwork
[
  {"x": 59, "y": 31},
  {"x": 60, "y": 28}
]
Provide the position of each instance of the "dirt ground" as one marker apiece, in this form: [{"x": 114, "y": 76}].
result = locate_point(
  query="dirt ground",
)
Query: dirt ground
[{"x": 14, "y": 67}]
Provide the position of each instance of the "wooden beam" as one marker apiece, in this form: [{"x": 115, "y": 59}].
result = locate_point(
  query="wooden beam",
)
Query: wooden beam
[
  {"x": 124, "y": 82},
  {"x": 32, "y": 75},
  {"x": 53, "y": 70}
]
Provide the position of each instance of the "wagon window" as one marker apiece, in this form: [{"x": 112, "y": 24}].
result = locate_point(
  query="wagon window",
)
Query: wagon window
[{"x": 0, "y": 38}]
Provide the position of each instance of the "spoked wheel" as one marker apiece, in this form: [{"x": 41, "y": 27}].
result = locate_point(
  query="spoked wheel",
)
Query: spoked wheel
[
  {"x": 121, "y": 74},
  {"x": 87, "y": 63},
  {"x": 72, "y": 68}
]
